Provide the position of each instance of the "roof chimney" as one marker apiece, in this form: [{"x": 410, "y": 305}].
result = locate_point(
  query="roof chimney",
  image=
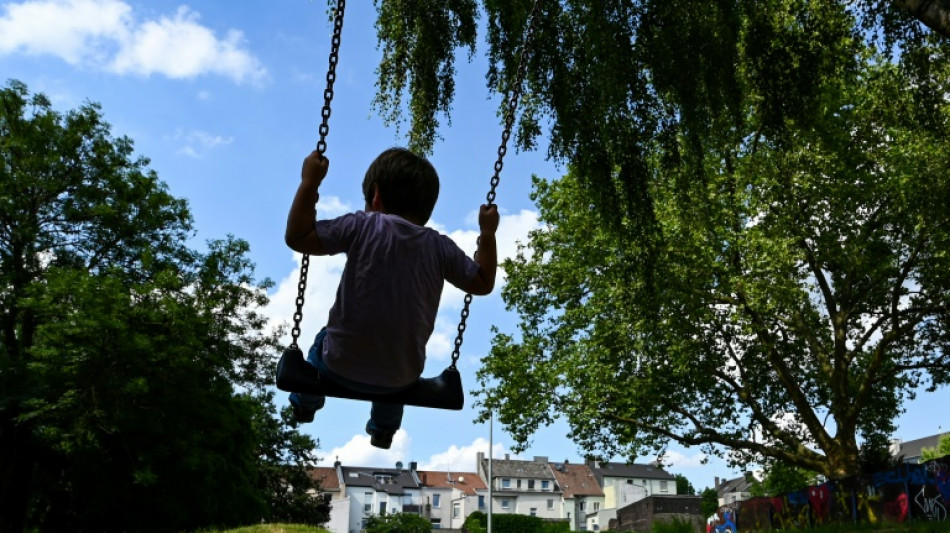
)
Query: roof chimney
[
  {"x": 412, "y": 466},
  {"x": 717, "y": 483}
]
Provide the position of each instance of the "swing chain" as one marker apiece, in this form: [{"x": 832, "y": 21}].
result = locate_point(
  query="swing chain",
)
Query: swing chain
[
  {"x": 512, "y": 105},
  {"x": 324, "y": 130}
]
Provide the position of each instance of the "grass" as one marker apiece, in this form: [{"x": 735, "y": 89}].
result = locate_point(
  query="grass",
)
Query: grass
[{"x": 274, "y": 528}]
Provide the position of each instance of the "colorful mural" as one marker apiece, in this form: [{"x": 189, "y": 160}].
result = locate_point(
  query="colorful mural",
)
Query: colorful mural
[{"x": 919, "y": 492}]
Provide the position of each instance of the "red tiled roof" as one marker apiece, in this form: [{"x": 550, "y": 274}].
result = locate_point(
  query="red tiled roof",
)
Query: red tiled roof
[
  {"x": 576, "y": 480},
  {"x": 326, "y": 476},
  {"x": 467, "y": 482}
]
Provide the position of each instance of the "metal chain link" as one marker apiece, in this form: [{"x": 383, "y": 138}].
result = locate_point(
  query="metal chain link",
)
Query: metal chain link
[
  {"x": 324, "y": 130},
  {"x": 512, "y": 105}
]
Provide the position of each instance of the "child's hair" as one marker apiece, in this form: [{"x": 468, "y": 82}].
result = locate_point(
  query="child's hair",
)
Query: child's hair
[{"x": 408, "y": 184}]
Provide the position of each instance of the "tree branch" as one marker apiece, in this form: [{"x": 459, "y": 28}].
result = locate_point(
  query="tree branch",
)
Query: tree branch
[{"x": 934, "y": 14}]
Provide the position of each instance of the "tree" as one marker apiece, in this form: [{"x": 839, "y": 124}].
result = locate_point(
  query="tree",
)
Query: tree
[
  {"x": 942, "y": 449},
  {"x": 683, "y": 486},
  {"x": 774, "y": 269},
  {"x": 121, "y": 349},
  {"x": 398, "y": 523},
  {"x": 747, "y": 254},
  {"x": 710, "y": 501},
  {"x": 782, "y": 478}
]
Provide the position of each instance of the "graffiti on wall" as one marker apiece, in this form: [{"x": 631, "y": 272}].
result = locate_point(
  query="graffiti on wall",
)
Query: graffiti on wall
[{"x": 910, "y": 492}]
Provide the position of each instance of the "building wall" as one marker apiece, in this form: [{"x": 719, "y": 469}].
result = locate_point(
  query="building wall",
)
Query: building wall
[
  {"x": 641, "y": 515},
  {"x": 618, "y": 493},
  {"x": 339, "y": 516},
  {"x": 522, "y": 503}
]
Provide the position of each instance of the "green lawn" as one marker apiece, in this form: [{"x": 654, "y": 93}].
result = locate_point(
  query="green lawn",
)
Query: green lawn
[{"x": 275, "y": 528}]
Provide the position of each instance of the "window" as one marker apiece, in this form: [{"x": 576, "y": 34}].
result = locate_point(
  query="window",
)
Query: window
[
  {"x": 583, "y": 506},
  {"x": 382, "y": 508},
  {"x": 436, "y": 500},
  {"x": 456, "y": 510},
  {"x": 596, "y": 506},
  {"x": 481, "y": 502},
  {"x": 545, "y": 484},
  {"x": 505, "y": 503},
  {"x": 534, "y": 511},
  {"x": 436, "y": 523},
  {"x": 531, "y": 484},
  {"x": 550, "y": 503},
  {"x": 506, "y": 483},
  {"x": 663, "y": 487},
  {"x": 368, "y": 502},
  {"x": 519, "y": 483}
]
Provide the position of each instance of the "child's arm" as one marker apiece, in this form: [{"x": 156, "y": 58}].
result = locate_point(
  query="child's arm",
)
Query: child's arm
[
  {"x": 487, "y": 254},
  {"x": 301, "y": 235}
]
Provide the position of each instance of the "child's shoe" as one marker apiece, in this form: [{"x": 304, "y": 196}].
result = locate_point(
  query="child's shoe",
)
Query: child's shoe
[
  {"x": 302, "y": 414},
  {"x": 380, "y": 438}
]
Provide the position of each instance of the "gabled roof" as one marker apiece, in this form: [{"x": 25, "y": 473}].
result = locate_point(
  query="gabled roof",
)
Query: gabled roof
[
  {"x": 913, "y": 449},
  {"x": 739, "y": 484},
  {"x": 515, "y": 469},
  {"x": 467, "y": 482},
  {"x": 575, "y": 480},
  {"x": 389, "y": 480},
  {"x": 627, "y": 471},
  {"x": 326, "y": 477}
]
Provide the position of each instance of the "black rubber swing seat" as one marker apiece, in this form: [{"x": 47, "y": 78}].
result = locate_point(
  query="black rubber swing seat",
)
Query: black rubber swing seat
[{"x": 295, "y": 374}]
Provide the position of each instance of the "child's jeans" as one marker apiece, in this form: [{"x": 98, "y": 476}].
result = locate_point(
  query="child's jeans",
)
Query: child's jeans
[{"x": 384, "y": 416}]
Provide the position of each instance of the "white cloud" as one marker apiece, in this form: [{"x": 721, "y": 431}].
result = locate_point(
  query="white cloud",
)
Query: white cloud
[
  {"x": 104, "y": 35},
  {"x": 197, "y": 143},
  {"x": 461, "y": 458},
  {"x": 675, "y": 460},
  {"x": 359, "y": 452}
]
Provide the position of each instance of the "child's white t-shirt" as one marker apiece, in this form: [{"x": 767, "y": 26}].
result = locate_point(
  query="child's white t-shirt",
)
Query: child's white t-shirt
[{"x": 389, "y": 294}]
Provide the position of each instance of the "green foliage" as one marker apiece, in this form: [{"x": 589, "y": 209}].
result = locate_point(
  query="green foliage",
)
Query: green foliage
[
  {"x": 419, "y": 39},
  {"x": 398, "y": 523},
  {"x": 674, "y": 526},
  {"x": 477, "y": 522},
  {"x": 710, "y": 502},
  {"x": 875, "y": 455},
  {"x": 942, "y": 449},
  {"x": 683, "y": 486},
  {"x": 560, "y": 526},
  {"x": 512, "y": 523},
  {"x": 732, "y": 261},
  {"x": 783, "y": 478},
  {"x": 122, "y": 350}
]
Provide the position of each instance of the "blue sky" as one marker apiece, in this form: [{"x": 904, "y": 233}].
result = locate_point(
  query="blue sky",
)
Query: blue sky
[{"x": 224, "y": 98}]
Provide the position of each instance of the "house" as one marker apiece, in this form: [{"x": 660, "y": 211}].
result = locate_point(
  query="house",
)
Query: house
[
  {"x": 329, "y": 481},
  {"x": 912, "y": 450},
  {"x": 376, "y": 491},
  {"x": 449, "y": 497},
  {"x": 734, "y": 490},
  {"x": 579, "y": 490},
  {"x": 522, "y": 487},
  {"x": 624, "y": 484}
]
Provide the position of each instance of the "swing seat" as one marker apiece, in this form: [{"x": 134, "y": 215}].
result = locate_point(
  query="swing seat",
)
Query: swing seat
[{"x": 295, "y": 374}]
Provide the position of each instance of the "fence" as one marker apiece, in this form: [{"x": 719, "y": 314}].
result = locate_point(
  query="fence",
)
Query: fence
[{"x": 910, "y": 492}]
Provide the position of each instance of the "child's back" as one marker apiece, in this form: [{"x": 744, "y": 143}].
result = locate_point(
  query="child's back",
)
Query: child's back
[{"x": 388, "y": 296}]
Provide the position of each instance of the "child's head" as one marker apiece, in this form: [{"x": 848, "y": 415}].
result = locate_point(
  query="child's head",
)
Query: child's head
[{"x": 408, "y": 184}]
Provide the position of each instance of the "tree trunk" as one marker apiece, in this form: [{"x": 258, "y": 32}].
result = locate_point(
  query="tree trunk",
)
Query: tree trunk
[
  {"x": 17, "y": 462},
  {"x": 935, "y": 14}
]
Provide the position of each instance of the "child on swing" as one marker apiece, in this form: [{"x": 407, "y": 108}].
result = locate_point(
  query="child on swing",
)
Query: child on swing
[{"x": 388, "y": 296}]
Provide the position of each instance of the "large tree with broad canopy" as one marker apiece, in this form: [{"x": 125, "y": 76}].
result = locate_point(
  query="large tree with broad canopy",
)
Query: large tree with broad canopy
[{"x": 749, "y": 251}]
